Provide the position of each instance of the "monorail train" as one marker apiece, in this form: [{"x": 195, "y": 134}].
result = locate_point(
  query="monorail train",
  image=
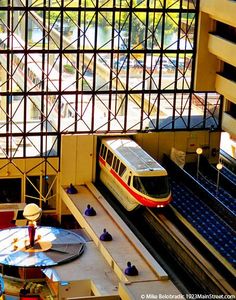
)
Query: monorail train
[{"x": 132, "y": 175}]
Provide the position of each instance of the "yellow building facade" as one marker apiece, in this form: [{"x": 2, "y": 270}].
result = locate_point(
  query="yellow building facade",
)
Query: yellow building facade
[{"x": 216, "y": 59}]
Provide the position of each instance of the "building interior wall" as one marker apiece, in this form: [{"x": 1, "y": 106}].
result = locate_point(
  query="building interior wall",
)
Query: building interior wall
[{"x": 213, "y": 51}]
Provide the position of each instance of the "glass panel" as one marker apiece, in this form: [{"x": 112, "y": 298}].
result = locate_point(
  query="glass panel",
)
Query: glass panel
[
  {"x": 187, "y": 31},
  {"x": 32, "y": 193},
  {"x": 33, "y": 146},
  {"x": 173, "y": 4},
  {"x": 171, "y": 40},
  {"x": 155, "y": 187},
  {"x": 4, "y": 3},
  {"x": 17, "y": 113},
  {"x": 166, "y": 108},
  {"x": 95, "y": 66}
]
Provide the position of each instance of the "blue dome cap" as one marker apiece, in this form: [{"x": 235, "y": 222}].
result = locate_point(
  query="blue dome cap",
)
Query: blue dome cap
[
  {"x": 106, "y": 236},
  {"x": 71, "y": 189},
  {"x": 90, "y": 211},
  {"x": 131, "y": 270}
]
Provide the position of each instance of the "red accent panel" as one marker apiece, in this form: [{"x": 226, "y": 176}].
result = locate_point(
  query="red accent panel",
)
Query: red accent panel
[
  {"x": 102, "y": 161},
  {"x": 6, "y": 219},
  {"x": 29, "y": 297}
]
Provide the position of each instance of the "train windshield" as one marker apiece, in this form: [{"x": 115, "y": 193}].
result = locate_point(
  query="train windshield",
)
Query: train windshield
[{"x": 154, "y": 187}]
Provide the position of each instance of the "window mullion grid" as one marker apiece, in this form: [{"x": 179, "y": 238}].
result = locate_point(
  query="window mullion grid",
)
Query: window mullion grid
[
  {"x": 81, "y": 63},
  {"x": 26, "y": 96},
  {"x": 176, "y": 74},
  {"x": 78, "y": 68},
  {"x": 112, "y": 96},
  {"x": 119, "y": 87},
  {"x": 194, "y": 45},
  {"x": 44, "y": 53},
  {"x": 8, "y": 77},
  {"x": 127, "y": 96},
  {"x": 184, "y": 60},
  {"x": 145, "y": 70},
  {"x": 94, "y": 94},
  {"x": 60, "y": 96},
  {"x": 161, "y": 60},
  {"x": 193, "y": 59}
]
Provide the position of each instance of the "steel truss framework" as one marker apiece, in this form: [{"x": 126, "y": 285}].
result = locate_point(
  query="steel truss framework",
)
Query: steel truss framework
[{"x": 95, "y": 66}]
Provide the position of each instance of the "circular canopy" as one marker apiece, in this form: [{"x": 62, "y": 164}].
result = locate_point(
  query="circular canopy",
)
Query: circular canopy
[{"x": 53, "y": 246}]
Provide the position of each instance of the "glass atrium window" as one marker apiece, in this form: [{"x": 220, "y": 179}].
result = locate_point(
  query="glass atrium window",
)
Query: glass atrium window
[{"x": 95, "y": 66}]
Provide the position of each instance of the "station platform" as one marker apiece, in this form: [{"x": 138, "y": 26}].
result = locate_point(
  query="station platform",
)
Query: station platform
[{"x": 101, "y": 268}]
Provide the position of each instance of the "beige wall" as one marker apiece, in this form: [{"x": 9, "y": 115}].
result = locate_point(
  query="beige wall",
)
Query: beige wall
[
  {"x": 157, "y": 144},
  {"x": 213, "y": 51},
  {"x": 207, "y": 64},
  {"x": 222, "y": 48},
  {"x": 78, "y": 156},
  {"x": 222, "y": 10}
]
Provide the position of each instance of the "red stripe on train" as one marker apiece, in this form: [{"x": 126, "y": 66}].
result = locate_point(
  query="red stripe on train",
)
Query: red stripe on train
[{"x": 102, "y": 161}]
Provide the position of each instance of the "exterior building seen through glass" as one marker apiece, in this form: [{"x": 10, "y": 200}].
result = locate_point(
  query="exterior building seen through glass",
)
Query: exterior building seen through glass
[{"x": 97, "y": 66}]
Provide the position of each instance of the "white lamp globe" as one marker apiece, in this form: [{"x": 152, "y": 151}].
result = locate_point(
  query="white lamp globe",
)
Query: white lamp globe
[
  {"x": 32, "y": 212},
  {"x": 199, "y": 151}
]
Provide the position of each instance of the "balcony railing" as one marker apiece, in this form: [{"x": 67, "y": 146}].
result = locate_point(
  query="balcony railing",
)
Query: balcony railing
[
  {"x": 222, "y": 48},
  {"x": 222, "y": 10},
  {"x": 226, "y": 87}
]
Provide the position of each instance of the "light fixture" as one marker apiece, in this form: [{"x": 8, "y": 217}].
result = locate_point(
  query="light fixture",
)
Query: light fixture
[
  {"x": 219, "y": 166},
  {"x": 199, "y": 152},
  {"x": 71, "y": 189},
  {"x": 32, "y": 212}
]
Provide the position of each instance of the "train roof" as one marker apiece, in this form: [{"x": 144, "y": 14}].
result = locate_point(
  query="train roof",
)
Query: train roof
[{"x": 133, "y": 155}]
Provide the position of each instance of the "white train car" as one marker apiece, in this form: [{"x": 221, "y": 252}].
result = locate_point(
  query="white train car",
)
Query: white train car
[{"x": 132, "y": 175}]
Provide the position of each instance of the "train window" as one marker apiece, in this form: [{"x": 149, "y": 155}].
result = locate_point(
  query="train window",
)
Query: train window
[
  {"x": 109, "y": 157},
  {"x": 105, "y": 152},
  {"x": 122, "y": 169},
  {"x": 114, "y": 162},
  {"x": 154, "y": 186},
  {"x": 117, "y": 165},
  {"x": 102, "y": 150},
  {"x": 129, "y": 180},
  {"x": 137, "y": 184}
]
